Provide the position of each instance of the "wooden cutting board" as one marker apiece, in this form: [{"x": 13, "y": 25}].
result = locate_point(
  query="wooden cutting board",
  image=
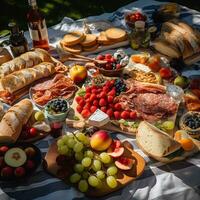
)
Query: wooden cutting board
[{"x": 123, "y": 177}]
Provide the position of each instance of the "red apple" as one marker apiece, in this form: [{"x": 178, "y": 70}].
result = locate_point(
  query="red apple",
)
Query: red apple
[
  {"x": 30, "y": 164},
  {"x": 19, "y": 171},
  {"x": 3, "y": 150},
  {"x": 7, "y": 172},
  {"x": 100, "y": 140}
]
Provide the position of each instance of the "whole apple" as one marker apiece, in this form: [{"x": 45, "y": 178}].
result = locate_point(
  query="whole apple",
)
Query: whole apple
[
  {"x": 78, "y": 73},
  {"x": 100, "y": 140},
  {"x": 7, "y": 172},
  {"x": 20, "y": 171}
]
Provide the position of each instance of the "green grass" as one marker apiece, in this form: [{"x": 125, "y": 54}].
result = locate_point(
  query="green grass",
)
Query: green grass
[{"x": 55, "y": 10}]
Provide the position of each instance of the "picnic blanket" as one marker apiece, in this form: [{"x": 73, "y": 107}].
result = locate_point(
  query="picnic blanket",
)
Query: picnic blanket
[{"x": 179, "y": 180}]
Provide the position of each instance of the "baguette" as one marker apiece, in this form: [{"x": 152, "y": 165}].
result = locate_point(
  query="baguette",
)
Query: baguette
[
  {"x": 26, "y": 60},
  {"x": 24, "y": 77},
  {"x": 13, "y": 121}
]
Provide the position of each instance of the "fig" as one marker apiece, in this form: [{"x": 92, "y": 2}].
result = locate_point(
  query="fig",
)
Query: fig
[
  {"x": 20, "y": 171},
  {"x": 115, "y": 150},
  {"x": 15, "y": 157},
  {"x": 124, "y": 163}
]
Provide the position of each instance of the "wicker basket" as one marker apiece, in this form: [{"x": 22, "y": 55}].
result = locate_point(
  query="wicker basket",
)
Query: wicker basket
[{"x": 111, "y": 73}]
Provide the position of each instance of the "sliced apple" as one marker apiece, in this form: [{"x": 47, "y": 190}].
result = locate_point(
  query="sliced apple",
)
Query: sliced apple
[
  {"x": 115, "y": 150},
  {"x": 124, "y": 163},
  {"x": 15, "y": 157}
]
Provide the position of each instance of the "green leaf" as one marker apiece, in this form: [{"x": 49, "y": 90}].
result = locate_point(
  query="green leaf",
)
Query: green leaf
[{"x": 81, "y": 93}]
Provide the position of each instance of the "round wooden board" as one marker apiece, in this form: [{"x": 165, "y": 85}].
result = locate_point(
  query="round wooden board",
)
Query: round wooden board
[{"x": 123, "y": 177}]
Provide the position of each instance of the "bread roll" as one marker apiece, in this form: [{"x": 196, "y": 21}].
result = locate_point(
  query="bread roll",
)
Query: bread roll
[
  {"x": 24, "y": 77},
  {"x": 4, "y": 55},
  {"x": 26, "y": 60},
  {"x": 13, "y": 121}
]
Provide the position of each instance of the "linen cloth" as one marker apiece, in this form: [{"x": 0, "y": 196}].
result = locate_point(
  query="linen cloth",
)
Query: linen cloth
[{"x": 179, "y": 180}]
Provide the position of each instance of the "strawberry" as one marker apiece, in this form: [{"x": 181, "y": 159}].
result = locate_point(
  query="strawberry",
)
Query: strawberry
[
  {"x": 81, "y": 102},
  {"x": 94, "y": 91},
  {"x": 100, "y": 57},
  {"x": 106, "y": 89},
  {"x": 93, "y": 87},
  {"x": 133, "y": 115},
  {"x": 112, "y": 92},
  {"x": 110, "y": 105},
  {"x": 95, "y": 102},
  {"x": 99, "y": 90},
  {"x": 108, "y": 66},
  {"x": 108, "y": 56},
  {"x": 87, "y": 106},
  {"x": 88, "y": 89},
  {"x": 117, "y": 114},
  {"x": 108, "y": 84},
  {"x": 165, "y": 72},
  {"x": 93, "y": 97},
  {"x": 102, "y": 102},
  {"x": 112, "y": 60},
  {"x": 87, "y": 96},
  {"x": 85, "y": 113},
  {"x": 103, "y": 108},
  {"x": 102, "y": 95},
  {"x": 109, "y": 112},
  {"x": 93, "y": 109},
  {"x": 110, "y": 99},
  {"x": 117, "y": 106},
  {"x": 79, "y": 108},
  {"x": 125, "y": 114},
  {"x": 112, "y": 82},
  {"x": 78, "y": 99}
]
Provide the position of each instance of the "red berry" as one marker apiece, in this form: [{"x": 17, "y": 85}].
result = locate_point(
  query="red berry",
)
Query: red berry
[
  {"x": 95, "y": 102},
  {"x": 110, "y": 105},
  {"x": 94, "y": 91},
  {"x": 133, "y": 115},
  {"x": 93, "y": 87},
  {"x": 88, "y": 89},
  {"x": 78, "y": 99},
  {"x": 106, "y": 89},
  {"x": 108, "y": 66},
  {"x": 112, "y": 92},
  {"x": 113, "y": 60},
  {"x": 110, "y": 99},
  {"x": 79, "y": 108},
  {"x": 93, "y": 97},
  {"x": 125, "y": 115},
  {"x": 165, "y": 72},
  {"x": 3, "y": 150},
  {"x": 109, "y": 112},
  {"x": 81, "y": 103},
  {"x": 108, "y": 56},
  {"x": 33, "y": 132},
  {"x": 102, "y": 95},
  {"x": 117, "y": 114},
  {"x": 103, "y": 108},
  {"x": 93, "y": 109},
  {"x": 117, "y": 106},
  {"x": 19, "y": 172},
  {"x": 102, "y": 102},
  {"x": 100, "y": 57},
  {"x": 87, "y": 106},
  {"x": 87, "y": 95},
  {"x": 85, "y": 113}
]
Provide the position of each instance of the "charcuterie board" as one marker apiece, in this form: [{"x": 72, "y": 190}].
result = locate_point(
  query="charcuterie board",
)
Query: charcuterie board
[{"x": 123, "y": 177}]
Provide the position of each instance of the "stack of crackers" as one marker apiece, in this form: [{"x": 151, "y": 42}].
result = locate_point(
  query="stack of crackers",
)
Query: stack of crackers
[{"x": 77, "y": 42}]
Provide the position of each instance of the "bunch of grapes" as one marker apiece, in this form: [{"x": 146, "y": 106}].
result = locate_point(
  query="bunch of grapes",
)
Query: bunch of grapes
[
  {"x": 90, "y": 169},
  {"x": 120, "y": 86}
]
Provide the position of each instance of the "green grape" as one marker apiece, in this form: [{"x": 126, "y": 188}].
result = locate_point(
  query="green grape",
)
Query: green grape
[
  {"x": 78, "y": 147},
  {"x": 93, "y": 181},
  {"x": 79, "y": 156},
  {"x": 74, "y": 178},
  {"x": 71, "y": 142},
  {"x": 86, "y": 162},
  {"x": 78, "y": 168},
  {"x": 70, "y": 153},
  {"x": 96, "y": 165},
  {"x": 80, "y": 136},
  {"x": 168, "y": 125},
  {"x": 105, "y": 158},
  {"x": 89, "y": 154},
  {"x": 65, "y": 138},
  {"x": 63, "y": 150},
  {"x": 60, "y": 142},
  {"x": 85, "y": 175},
  {"x": 112, "y": 170},
  {"x": 111, "y": 181},
  {"x": 83, "y": 185},
  {"x": 100, "y": 174},
  {"x": 86, "y": 141}
]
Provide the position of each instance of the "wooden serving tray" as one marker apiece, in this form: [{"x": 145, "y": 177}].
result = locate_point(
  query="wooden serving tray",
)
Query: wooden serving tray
[{"x": 123, "y": 177}]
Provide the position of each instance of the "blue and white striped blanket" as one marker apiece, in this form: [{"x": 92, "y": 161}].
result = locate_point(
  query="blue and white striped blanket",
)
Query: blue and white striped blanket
[{"x": 180, "y": 180}]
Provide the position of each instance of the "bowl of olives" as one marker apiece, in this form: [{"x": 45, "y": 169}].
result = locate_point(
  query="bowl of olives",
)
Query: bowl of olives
[
  {"x": 57, "y": 109},
  {"x": 190, "y": 122}
]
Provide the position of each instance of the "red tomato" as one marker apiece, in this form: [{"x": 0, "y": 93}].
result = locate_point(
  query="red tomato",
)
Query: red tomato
[
  {"x": 102, "y": 95},
  {"x": 125, "y": 115},
  {"x": 79, "y": 108},
  {"x": 103, "y": 108},
  {"x": 102, "y": 102},
  {"x": 95, "y": 102},
  {"x": 109, "y": 112},
  {"x": 117, "y": 106},
  {"x": 165, "y": 72},
  {"x": 81, "y": 102},
  {"x": 110, "y": 99},
  {"x": 133, "y": 115},
  {"x": 117, "y": 115},
  {"x": 33, "y": 132},
  {"x": 108, "y": 56},
  {"x": 93, "y": 109},
  {"x": 85, "y": 113},
  {"x": 112, "y": 92},
  {"x": 78, "y": 99},
  {"x": 93, "y": 97}
]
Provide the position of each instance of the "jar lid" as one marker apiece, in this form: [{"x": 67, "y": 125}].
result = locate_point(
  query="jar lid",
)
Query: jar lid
[{"x": 140, "y": 24}]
